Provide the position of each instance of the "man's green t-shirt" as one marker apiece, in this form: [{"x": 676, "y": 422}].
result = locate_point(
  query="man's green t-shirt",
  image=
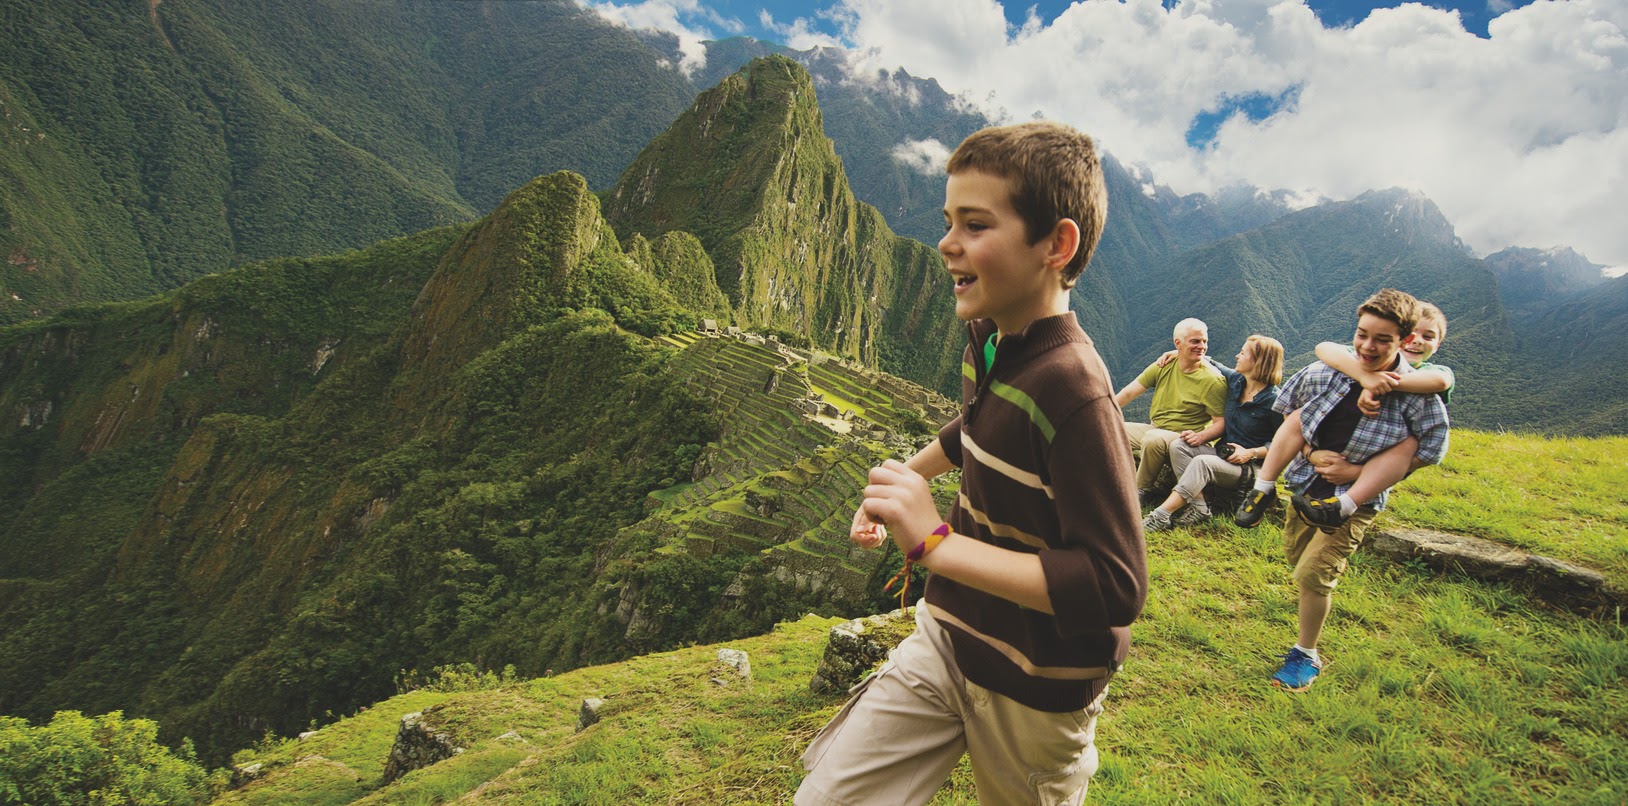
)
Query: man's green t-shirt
[{"x": 1184, "y": 401}]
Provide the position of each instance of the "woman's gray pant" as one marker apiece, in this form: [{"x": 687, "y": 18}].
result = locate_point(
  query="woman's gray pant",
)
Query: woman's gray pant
[{"x": 1199, "y": 466}]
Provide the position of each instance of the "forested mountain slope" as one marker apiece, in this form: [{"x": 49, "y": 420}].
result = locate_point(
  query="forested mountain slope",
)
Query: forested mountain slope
[
  {"x": 254, "y": 500},
  {"x": 146, "y": 144}
]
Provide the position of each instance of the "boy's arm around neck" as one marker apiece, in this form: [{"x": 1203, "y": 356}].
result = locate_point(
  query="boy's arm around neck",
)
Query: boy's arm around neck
[
  {"x": 1422, "y": 382},
  {"x": 1340, "y": 358}
]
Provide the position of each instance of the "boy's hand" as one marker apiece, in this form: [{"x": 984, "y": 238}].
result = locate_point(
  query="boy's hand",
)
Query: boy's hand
[
  {"x": 1379, "y": 382},
  {"x": 1169, "y": 356},
  {"x": 1334, "y": 467},
  {"x": 898, "y": 498},
  {"x": 864, "y": 532},
  {"x": 1368, "y": 403}
]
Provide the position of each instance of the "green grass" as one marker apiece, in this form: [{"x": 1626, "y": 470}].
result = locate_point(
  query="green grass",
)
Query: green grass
[
  {"x": 1437, "y": 690},
  {"x": 1565, "y": 498}
]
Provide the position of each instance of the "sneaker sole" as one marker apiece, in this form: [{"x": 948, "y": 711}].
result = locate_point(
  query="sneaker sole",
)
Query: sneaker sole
[
  {"x": 1276, "y": 683},
  {"x": 1306, "y": 513}
]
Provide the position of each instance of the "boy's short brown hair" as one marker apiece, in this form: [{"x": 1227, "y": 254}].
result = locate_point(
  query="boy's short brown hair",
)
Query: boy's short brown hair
[
  {"x": 1397, "y": 306},
  {"x": 1430, "y": 313},
  {"x": 1055, "y": 174}
]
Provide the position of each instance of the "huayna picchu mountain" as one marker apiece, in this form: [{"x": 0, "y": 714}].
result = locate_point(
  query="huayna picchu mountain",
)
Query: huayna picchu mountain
[
  {"x": 257, "y": 499},
  {"x": 748, "y": 169}
]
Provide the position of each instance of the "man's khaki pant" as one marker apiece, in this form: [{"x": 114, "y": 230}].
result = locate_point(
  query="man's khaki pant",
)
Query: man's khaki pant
[
  {"x": 1154, "y": 443},
  {"x": 906, "y": 726}
]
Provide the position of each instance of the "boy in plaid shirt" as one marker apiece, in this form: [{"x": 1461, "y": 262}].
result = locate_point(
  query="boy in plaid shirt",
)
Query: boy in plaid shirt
[{"x": 1330, "y": 419}]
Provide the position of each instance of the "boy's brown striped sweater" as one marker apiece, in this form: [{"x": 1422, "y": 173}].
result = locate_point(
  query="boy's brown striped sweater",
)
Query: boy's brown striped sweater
[{"x": 1045, "y": 468}]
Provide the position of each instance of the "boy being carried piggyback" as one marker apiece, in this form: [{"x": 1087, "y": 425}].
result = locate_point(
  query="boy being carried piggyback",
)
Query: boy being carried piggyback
[
  {"x": 1040, "y": 567},
  {"x": 1381, "y": 471},
  {"x": 1325, "y": 406}
]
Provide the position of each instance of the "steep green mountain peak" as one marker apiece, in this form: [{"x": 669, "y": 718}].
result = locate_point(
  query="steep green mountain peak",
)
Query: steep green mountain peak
[
  {"x": 749, "y": 172},
  {"x": 502, "y": 274},
  {"x": 708, "y": 173}
]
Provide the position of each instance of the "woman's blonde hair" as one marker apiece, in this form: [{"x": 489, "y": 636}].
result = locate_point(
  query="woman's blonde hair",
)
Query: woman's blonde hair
[{"x": 1268, "y": 355}]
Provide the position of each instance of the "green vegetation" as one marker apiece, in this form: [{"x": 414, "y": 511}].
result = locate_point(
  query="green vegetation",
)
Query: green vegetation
[
  {"x": 1555, "y": 496},
  {"x": 143, "y": 145},
  {"x": 244, "y": 505},
  {"x": 108, "y": 759},
  {"x": 1437, "y": 690}
]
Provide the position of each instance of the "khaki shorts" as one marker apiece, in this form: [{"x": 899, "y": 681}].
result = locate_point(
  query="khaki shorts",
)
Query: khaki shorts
[
  {"x": 1318, "y": 557},
  {"x": 906, "y": 726}
]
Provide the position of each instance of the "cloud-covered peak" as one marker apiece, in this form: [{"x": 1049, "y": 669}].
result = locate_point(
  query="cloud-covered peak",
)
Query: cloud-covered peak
[{"x": 1520, "y": 136}]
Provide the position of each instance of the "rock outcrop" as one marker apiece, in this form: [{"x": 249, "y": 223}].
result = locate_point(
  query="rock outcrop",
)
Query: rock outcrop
[
  {"x": 855, "y": 647},
  {"x": 418, "y": 745},
  {"x": 1572, "y": 587}
]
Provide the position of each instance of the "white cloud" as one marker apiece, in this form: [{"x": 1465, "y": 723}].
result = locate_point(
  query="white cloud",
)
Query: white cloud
[
  {"x": 684, "y": 19},
  {"x": 799, "y": 34},
  {"x": 926, "y": 157},
  {"x": 1520, "y": 138}
]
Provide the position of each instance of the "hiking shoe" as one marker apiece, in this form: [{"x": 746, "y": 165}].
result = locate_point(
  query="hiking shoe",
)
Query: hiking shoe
[
  {"x": 1191, "y": 515},
  {"x": 1254, "y": 507},
  {"x": 1157, "y": 521},
  {"x": 1323, "y": 513},
  {"x": 1299, "y": 671}
]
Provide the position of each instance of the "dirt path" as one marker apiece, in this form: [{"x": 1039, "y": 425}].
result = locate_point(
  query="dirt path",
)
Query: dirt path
[{"x": 152, "y": 13}]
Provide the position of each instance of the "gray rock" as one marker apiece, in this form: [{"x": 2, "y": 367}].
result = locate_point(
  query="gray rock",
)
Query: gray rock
[
  {"x": 244, "y": 773},
  {"x": 737, "y": 660},
  {"x": 589, "y": 713},
  {"x": 853, "y": 649},
  {"x": 1573, "y": 587},
  {"x": 418, "y": 745}
]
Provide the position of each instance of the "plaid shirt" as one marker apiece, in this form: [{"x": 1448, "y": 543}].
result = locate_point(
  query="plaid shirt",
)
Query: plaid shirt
[{"x": 1316, "y": 389}]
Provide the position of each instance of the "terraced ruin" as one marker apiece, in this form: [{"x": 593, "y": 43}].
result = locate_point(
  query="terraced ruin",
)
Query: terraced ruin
[{"x": 800, "y": 431}]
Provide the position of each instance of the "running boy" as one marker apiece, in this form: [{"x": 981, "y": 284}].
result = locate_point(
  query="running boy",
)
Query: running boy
[
  {"x": 1382, "y": 471},
  {"x": 1040, "y": 568},
  {"x": 1330, "y": 420}
]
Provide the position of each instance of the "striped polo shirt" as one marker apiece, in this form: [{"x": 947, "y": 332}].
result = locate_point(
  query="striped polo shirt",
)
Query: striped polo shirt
[{"x": 1045, "y": 469}]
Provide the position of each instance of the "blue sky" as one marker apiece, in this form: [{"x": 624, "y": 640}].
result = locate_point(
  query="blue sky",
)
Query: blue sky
[
  {"x": 1512, "y": 116},
  {"x": 1333, "y": 13}
]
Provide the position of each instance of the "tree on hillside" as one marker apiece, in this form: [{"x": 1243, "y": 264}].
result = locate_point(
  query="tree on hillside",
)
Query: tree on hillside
[{"x": 101, "y": 760}]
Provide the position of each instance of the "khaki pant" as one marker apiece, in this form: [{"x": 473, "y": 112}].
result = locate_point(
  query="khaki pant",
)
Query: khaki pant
[
  {"x": 1154, "y": 443},
  {"x": 1318, "y": 557},
  {"x": 906, "y": 726}
]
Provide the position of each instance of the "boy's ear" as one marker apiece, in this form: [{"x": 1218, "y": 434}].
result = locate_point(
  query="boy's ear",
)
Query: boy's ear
[{"x": 1062, "y": 243}]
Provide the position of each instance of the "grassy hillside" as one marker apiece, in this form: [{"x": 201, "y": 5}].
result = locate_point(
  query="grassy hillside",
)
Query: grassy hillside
[{"x": 1438, "y": 688}]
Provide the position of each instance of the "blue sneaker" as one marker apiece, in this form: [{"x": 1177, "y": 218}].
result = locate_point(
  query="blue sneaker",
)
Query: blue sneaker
[{"x": 1299, "y": 671}]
